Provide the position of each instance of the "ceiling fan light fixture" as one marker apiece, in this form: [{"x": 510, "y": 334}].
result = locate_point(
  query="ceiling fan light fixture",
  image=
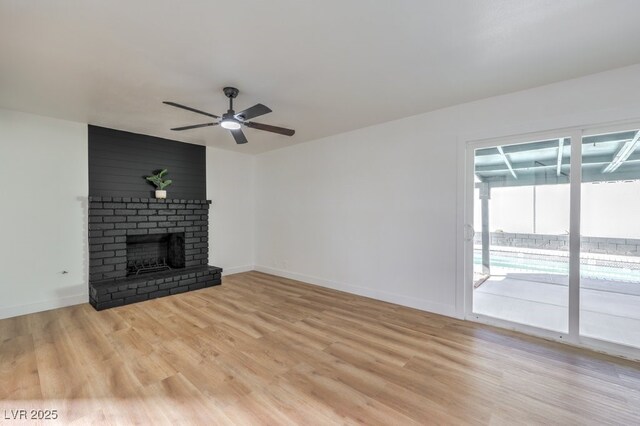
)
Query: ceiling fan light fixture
[{"x": 230, "y": 124}]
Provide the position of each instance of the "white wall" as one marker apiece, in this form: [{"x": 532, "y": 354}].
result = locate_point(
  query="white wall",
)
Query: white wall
[
  {"x": 43, "y": 212},
  {"x": 552, "y": 210},
  {"x": 511, "y": 209},
  {"x": 230, "y": 186},
  {"x": 609, "y": 209},
  {"x": 378, "y": 211}
]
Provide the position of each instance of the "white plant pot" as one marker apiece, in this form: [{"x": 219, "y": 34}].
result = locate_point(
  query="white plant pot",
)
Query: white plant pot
[{"x": 161, "y": 193}]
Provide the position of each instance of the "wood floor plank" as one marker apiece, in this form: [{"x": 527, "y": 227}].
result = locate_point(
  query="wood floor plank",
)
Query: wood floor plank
[
  {"x": 14, "y": 327},
  {"x": 346, "y": 401},
  {"x": 19, "y": 370},
  {"x": 267, "y": 350}
]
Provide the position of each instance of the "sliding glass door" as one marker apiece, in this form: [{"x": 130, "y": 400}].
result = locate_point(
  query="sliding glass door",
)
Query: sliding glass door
[
  {"x": 610, "y": 243},
  {"x": 553, "y": 235},
  {"x": 521, "y": 244}
]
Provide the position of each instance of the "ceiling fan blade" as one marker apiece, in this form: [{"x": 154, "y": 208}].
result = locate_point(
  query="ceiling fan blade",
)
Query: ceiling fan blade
[
  {"x": 255, "y": 111},
  {"x": 173, "y": 104},
  {"x": 273, "y": 129},
  {"x": 239, "y": 136},
  {"x": 195, "y": 126}
]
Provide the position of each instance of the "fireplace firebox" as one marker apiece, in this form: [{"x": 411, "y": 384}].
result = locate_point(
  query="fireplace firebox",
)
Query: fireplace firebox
[{"x": 156, "y": 252}]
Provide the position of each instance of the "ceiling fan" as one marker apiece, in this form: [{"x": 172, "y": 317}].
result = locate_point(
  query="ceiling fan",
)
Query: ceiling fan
[{"x": 233, "y": 121}]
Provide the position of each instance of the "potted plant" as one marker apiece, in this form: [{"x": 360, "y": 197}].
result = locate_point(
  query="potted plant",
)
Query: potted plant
[{"x": 160, "y": 183}]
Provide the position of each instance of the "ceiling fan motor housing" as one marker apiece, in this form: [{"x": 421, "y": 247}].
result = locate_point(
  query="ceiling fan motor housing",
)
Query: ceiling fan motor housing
[
  {"x": 230, "y": 92},
  {"x": 229, "y": 116}
]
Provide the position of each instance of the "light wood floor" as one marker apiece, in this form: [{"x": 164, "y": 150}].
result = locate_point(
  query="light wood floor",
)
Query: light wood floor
[{"x": 266, "y": 350}]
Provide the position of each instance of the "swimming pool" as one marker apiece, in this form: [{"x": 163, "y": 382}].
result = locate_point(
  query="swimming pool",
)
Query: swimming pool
[{"x": 509, "y": 262}]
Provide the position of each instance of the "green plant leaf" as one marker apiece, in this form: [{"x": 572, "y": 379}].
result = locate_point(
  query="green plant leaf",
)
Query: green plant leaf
[{"x": 158, "y": 181}]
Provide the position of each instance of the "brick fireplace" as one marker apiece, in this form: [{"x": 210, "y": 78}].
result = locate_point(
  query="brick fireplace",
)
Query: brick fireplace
[{"x": 143, "y": 248}]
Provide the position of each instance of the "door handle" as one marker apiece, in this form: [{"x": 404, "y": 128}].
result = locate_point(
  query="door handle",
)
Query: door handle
[{"x": 469, "y": 232}]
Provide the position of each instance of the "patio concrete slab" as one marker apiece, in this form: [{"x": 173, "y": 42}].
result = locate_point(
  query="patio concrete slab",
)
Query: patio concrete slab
[{"x": 606, "y": 313}]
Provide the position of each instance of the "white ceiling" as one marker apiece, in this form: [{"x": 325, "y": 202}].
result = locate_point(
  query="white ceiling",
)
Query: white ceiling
[{"x": 324, "y": 67}]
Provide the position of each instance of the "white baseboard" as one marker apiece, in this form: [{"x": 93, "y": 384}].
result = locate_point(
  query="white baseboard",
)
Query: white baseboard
[
  {"x": 237, "y": 270},
  {"x": 45, "y": 305},
  {"x": 411, "y": 302},
  {"x": 424, "y": 305}
]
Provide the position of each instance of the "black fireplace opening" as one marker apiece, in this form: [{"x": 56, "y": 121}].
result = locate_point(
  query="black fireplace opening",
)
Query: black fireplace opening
[{"x": 154, "y": 253}]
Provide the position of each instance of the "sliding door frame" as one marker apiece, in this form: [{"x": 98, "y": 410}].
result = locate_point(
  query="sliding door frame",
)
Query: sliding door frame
[{"x": 573, "y": 336}]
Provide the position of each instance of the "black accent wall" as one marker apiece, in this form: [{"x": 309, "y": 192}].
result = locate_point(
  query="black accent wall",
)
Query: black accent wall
[{"x": 119, "y": 162}]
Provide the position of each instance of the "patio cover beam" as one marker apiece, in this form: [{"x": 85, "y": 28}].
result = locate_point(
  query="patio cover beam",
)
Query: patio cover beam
[
  {"x": 622, "y": 155},
  {"x": 560, "y": 150},
  {"x": 507, "y": 162},
  {"x": 523, "y": 167}
]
